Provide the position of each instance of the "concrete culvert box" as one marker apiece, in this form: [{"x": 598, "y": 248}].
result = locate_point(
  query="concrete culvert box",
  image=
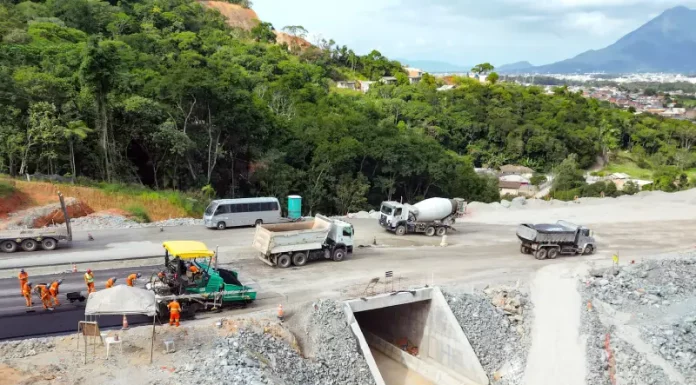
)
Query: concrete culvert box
[{"x": 412, "y": 337}]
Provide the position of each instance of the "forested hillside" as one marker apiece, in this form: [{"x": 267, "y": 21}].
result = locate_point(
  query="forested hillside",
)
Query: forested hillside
[{"x": 164, "y": 93}]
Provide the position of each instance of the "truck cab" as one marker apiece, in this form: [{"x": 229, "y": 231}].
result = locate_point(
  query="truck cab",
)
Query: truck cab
[
  {"x": 342, "y": 233},
  {"x": 393, "y": 214}
]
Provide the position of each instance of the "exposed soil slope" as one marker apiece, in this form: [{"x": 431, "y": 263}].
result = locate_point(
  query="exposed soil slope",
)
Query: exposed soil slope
[
  {"x": 246, "y": 19},
  {"x": 237, "y": 16}
]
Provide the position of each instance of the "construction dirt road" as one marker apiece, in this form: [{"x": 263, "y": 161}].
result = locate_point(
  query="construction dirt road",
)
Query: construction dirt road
[{"x": 484, "y": 251}]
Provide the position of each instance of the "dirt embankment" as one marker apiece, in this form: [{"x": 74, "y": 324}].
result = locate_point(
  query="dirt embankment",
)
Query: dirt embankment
[
  {"x": 237, "y": 16},
  {"x": 16, "y": 201},
  {"x": 246, "y": 19}
]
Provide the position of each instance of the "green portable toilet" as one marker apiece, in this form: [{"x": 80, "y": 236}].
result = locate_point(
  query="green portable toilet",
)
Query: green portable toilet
[{"x": 294, "y": 206}]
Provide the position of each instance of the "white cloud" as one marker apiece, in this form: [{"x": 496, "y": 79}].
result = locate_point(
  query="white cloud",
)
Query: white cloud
[
  {"x": 469, "y": 31},
  {"x": 595, "y": 23}
]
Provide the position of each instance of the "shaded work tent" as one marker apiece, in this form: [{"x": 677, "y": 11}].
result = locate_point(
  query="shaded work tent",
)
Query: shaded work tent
[{"x": 124, "y": 300}]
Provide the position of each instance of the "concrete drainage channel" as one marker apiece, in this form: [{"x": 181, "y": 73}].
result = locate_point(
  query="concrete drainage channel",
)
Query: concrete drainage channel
[{"x": 434, "y": 349}]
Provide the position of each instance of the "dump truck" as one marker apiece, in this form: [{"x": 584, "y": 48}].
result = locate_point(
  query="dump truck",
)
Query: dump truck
[
  {"x": 433, "y": 216},
  {"x": 210, "y": 288},
  {"x": 33, "y": 239},
  {"x": 550, "y": 240},
  {"x": 286, "y": 244}
]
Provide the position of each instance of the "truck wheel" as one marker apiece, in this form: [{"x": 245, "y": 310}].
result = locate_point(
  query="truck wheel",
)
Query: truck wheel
[
  {"x": 48, "y": 244},
  {"x": 299, "y": 259},
  {"x": 441, "y": 231},
  {"x": 588, "y": 250},
  {"x": 29, "y": 245},
  {"x": 523, "y": 249},
  {"x": 552, "y": 254},
  {"x": 284, "y": 261},
  {"x": 339, "y": 254},
  {"x": 540, "y": 254},
  {"x": 8, "y": 247},
  {"x": 400, "y": 230},
  {"x": 430, "y": 231},
  {"x": 221, "y": 225}
]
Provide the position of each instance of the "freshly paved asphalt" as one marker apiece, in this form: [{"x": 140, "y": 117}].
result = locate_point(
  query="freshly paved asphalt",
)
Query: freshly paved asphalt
[{"x": 17, "y": 321}]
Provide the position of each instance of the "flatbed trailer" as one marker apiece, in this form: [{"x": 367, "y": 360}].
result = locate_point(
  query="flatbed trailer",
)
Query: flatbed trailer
[{"x": 33, "y": 239}]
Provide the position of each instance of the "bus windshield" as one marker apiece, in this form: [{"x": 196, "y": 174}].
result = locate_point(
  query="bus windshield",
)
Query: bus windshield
[{"x": 209, "y": 209}]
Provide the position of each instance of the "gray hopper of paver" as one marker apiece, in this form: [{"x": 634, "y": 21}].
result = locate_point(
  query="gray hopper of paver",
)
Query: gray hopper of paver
[{"x": 551, "y": 240}]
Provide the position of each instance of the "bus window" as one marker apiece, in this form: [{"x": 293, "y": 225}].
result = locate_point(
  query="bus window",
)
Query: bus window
[
  {"x": 254, "y": 207},
  {"x": 243, "y": 208},
  {"x": 222, "y": 209}
]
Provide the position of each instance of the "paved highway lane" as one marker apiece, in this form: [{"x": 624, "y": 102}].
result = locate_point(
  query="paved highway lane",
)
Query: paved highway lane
[{"x": 18, "y": 321}]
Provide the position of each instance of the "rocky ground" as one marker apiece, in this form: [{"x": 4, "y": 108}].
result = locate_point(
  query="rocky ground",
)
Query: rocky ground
[
  {"x": 497, "y": 323},
  {"x": 257, "y": 350},
  {"x": 640, "y": 322}
]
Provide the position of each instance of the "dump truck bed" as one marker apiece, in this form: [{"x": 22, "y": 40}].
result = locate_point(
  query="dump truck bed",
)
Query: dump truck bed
[
  {"x": 546, "y": 233},
  {"x": 291, "y": 237},
  {"x": 58, "y": 233}
]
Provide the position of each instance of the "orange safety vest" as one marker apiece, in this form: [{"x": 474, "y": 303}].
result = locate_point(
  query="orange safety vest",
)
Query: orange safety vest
[
  {"x": 43, "y": 291},
  {"x": 130, "y": 279},
  {"x": 26, "y": 291},
  {"x": 54, "y": 288},
  {"x": 174, "y": 307},
  {"x": 109, "y": 283},
  {"x": 23, "y": 277},
  {"x": 194, "y": 269}
]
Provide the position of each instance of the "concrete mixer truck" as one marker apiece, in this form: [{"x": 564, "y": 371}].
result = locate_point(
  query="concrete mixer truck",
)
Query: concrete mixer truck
[{"x": 433, "y": 216}]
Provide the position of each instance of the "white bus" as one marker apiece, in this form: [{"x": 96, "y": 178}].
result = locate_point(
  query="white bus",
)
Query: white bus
[{"x": 225, "y": 213}]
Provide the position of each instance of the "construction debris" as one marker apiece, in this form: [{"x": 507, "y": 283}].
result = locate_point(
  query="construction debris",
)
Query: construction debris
[
  {"x": 640, "y": 323},
  {"x": 496, "y": 322}
]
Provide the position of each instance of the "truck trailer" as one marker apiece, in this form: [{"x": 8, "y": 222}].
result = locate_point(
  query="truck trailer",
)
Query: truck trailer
[
  {"x": 433, "y": 216},
  {"x": 33, "y": 239},
  {"x": 550, "y": 240},
  {"x": 296, "y": 243}
]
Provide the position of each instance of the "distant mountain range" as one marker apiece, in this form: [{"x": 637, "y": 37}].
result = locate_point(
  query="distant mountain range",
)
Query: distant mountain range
[
  {"x": 434, "y": 66},
  {"x": 515, "y": 67},
  {"x": 666, "y": 43}
]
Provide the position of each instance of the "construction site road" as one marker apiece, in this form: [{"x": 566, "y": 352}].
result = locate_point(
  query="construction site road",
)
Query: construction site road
[{"x": 477, "y": 255}]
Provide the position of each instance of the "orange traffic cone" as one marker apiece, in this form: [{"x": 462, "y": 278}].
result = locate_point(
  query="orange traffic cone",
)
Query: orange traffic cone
[
  {"x": 74, "y": 268},
  {"x": 125, "y": 323},
  {"x": 281, "y": 314}
]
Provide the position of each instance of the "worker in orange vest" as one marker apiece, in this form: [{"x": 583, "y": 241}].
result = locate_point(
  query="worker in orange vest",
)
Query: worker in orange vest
[
  {"x": 89, "y": 281},
  {"x": 193, "y": 268},
  {"x": 53, "y": 289},
  {"x": 26, "y": 292},
  {"x": 174, "y": 312},
  {"x": 110, "y": 282},
  {"x": 131, "y": 278},
  {"x": 23, "y": 279},
  {"x": 45, "y": 294}
]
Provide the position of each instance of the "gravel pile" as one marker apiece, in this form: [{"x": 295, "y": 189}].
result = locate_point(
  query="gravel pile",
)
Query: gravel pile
[
  {"x": 676, "y": 343},
  {"x": 25, "y": 348},
  {"x": 497, "y": 323},
  {"x": 110, "y": 221},
  {"x": 25, "y": 218},
  {"x": 654, "y": 283},
  {"x": 633, "y": 369},
  {"x": 597, "y": 360},
  {"x": 253, "y": 357}
]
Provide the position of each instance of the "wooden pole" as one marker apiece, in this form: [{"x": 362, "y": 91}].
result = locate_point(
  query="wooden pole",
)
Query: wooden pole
[{"x": 152, "y": 344}]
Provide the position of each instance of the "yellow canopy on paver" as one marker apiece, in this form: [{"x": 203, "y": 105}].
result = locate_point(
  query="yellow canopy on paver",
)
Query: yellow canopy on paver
[{"x": 187, "y": 249}]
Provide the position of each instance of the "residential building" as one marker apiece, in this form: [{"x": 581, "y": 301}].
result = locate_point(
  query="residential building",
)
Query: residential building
[
  {"x": 414, "y": 75},
  {"x": 365, "y": 85},
  {"x": 512, "y": 169},
  {"x": 388, "y": 80},
  {"x": 347, "y": 84}
]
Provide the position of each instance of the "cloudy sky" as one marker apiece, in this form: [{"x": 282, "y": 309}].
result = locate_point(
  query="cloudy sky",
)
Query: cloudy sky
[{"x": 467, "y": 32}]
